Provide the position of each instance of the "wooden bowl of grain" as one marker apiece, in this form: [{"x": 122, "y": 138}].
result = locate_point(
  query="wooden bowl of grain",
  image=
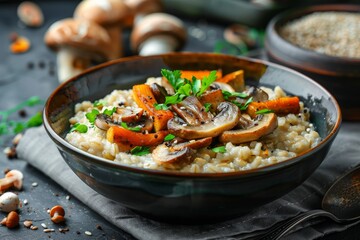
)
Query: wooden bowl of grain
[{"x": 322, "y": 42}]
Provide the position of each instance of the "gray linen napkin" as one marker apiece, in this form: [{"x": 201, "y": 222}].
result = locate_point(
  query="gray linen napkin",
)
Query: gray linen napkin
[{"x": 38, "y": 150}]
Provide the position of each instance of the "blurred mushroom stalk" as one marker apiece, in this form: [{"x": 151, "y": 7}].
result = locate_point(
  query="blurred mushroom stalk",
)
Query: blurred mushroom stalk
[{"x": 77, "y": 43}]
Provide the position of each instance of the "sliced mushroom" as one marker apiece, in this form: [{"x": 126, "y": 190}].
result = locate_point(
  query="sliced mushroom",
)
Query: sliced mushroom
[
  {"x": 104, "y": 122},
  {"x": 178, "y": 155},
  {"x": 222, "y": 86},
  {"x": 159, "y": 92},
  {"x": 257, "y": 94},
  {"x": 192, "y": 111},
  {"x": 226, "y": 119},
  {"x": 130, "y": 114},
  {"x": 266, "y": 124}
]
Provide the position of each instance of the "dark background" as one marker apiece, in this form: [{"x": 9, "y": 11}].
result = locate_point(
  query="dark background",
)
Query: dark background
[{"x": 34, "y": 74}]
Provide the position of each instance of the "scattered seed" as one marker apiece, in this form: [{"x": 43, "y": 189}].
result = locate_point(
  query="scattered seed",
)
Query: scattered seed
[
  {"x": 28, "y": 223},
  {"x": 88, "y": 233},
  {"x": 99, "y": 227},
  {"x": 49, "y": 230},
  {"x": 48, "y": 211},
  {"x": 63, "y": 230},
  {"x": 30, "y": 65},
  {"x": 67, "y": 197},
  {"x": 25, "y": 201},
  {"x": 34, "y": 184},
  {"x": 43, "y": 225},
  {"x": 41, "y": 64},
  {"x": 33, "y": 227}
]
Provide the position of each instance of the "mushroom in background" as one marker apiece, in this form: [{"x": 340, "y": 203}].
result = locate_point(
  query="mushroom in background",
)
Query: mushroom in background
[
  {"x": 157, "y": 33},
  {"x": 141, "y": 8},
  {"x": 77, "y": 42},
  {"x": 113, "y": 15}
]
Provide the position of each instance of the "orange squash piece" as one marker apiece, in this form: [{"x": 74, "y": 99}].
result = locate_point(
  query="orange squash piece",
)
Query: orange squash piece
[
  {"x": 145, "y": 99},
  {"x": 281, "y": 106},
  {"x": 188, "y": 74},
  {"x": 129, "y": 138},
  {"x": 234, "y": 79}
]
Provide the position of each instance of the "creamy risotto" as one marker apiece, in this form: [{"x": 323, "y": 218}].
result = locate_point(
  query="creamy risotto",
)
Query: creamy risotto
[{"x": 194, "y": 121}]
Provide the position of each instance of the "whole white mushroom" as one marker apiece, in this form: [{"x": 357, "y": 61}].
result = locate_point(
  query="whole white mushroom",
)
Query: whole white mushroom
[{"x": 9, "y": 202}]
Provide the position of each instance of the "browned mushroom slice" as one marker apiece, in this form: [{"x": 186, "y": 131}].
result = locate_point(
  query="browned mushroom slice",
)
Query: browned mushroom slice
[
  {"x": 104, "y": 122},
  {"x": 178, "y": 155},
  {"x": 159, "y": 92},
  {"x": 266, "y": 124},
  {"x": 171, "y": 158},
  {"x": 257, "y": 94},
  {"x": 226, "y": 119},
  {"x": 222, "y": 86},
  {"x": 192, "y": 111},
  {"x": 130, "y": 114}
]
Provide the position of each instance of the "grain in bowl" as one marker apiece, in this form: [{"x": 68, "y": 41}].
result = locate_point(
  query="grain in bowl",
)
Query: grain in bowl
[{"x": 194, "y": 121}]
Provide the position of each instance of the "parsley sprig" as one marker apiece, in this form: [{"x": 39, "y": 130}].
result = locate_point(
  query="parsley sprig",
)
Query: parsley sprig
[{"x": 184, "y": 87}]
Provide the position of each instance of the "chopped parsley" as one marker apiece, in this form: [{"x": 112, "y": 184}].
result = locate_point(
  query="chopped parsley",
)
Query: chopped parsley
[
  {"x": 78, "y": 127},
  {"x": 207, "y": 107},
  {"x": 228, "y": 94},
  {"x": 220, "y": 149},
  {"x": 169, "y": 137},
  {"x": 184, "y": 87},
  {"x": 109, "y": 112},
  {"x": 7, "y": 126},
  {"x": 91, "y": 116},
  {"x": 99, "y": 103},
  {"x": 140, "y": 150},
  {"x": 264, "y": 111},
  {"x": 134, "y": 129},
  {"x": 244, "y": 106}
]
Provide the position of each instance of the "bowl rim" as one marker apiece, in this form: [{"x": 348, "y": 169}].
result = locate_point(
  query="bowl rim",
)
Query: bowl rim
[
  {"x": 243, "y": 173},
  {"x": 273, "y": 35}
]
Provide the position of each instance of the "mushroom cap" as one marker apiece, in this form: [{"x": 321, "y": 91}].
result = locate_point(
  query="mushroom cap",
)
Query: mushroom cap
[
  {"x": 80, "y": 35},
  {"x": 104, "y": 12},
  {"x": 9, "y": 202},
  {"x": 265, "y": 125},
  {"x": 59, "y": 210},
  {"x": 157, "y": 24},
  {"x": 18, "y": 176},
  {"x": 144, "y": 6}
]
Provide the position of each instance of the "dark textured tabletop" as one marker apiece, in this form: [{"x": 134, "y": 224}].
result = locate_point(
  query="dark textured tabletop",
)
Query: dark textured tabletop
[{"x": 34, "y": 74}]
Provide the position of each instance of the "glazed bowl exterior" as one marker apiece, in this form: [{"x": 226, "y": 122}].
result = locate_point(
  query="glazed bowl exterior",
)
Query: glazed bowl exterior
[
  {"x": 339, "y": 75},
  {"x": 188, "y": 197}
]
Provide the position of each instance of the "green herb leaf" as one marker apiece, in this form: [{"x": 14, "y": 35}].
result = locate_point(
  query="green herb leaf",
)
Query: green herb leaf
[
  {"x": 172, "y": 76},
  {"x": 109, "y": 112},
  {"x": 134, "y": 129},
  {"x": 99, "y": 103},
  {"x": 140, "y": 150},
  {"x": 220, "y": 149},
  {"x": 206, "y": 82},
  {"x": 244, "y": 107},
  {"x": 264, "y": 111},
  {"x": 195, "y": 85},
  {"x": 207, "y": 106},
  {"x": 169, "y": 137},
  {"x": 81, "y": 128},
  {"x": 185, "y": 90},
  {"x": 19, "y": 127},
  {"x": 228, "y": 94},
  {"x": 161, "y": 106},
  {"x": 91, "y": 116},
  {"x": 34, "y": 121}
]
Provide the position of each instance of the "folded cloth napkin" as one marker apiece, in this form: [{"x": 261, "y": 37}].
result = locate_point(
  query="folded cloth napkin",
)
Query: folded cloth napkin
[{"x": 38, "y": 150}]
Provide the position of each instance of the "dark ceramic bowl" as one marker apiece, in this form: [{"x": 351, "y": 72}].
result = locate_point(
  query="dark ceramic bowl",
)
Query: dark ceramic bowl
[
  {"x": 180, "y": 196},
  {"x": 339, "y": 75}
]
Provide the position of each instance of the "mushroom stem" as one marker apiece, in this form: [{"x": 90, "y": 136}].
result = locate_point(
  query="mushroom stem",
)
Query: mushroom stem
[
  {"x": 157, "y": 45},
  {"x": 69, "y": 64},
  {"x": 115, "y": 34},
  {"x": 12, "y": 179}
]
